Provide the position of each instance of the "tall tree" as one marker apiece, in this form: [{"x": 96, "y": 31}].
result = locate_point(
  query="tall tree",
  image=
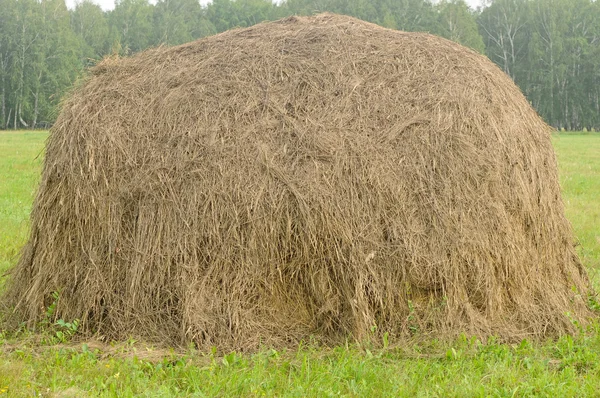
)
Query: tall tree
[
  {"x": 227, "y": 14},
  {"x": 576, "y": 97},
  {"x": 549, "y": 20},
  {"x": 90, "y": 24},
  {"x": 456, "y": 22},
  {"x": 131, "y": 25},
  {"x": 504, "y": 26},
  {"x": 408, "y": 15},
  {"x": 179, "y": 21},
  {"x": 23, "y": 73},
  {"x": 174, "y": 20},
  {"x": 8, "y": 31},
  {"x": 57, "y": 60},
  {"x": 41, "y": 62}
]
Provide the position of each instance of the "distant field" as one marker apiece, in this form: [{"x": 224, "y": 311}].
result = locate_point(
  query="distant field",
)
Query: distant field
[
  {"x": 20, "y": 167},
  {"x": 569, "y": 366},
  {"x": 579, "y": 166}
]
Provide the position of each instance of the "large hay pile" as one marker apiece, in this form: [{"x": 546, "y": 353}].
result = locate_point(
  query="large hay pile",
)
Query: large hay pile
[{"x": 313, "y": 176}]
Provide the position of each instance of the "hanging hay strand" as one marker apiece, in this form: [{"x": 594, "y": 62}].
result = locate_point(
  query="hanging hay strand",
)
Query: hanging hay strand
[{"x": 313, "y": 176}]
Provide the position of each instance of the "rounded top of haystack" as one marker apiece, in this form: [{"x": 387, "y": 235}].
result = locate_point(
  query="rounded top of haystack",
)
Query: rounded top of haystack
[
  {"x": 313, "y": 176},
  {"x": 338, "y": 67}
]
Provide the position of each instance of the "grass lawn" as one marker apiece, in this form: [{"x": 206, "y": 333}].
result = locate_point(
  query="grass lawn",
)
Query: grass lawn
[
  {"x": 567, "y": 367},
  {"x": 20, "y": 167},
  {"x": 579, "y": 164}
]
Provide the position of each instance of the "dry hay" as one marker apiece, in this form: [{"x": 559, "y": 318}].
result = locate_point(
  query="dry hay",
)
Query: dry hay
[{"x": 308, "y": 177}]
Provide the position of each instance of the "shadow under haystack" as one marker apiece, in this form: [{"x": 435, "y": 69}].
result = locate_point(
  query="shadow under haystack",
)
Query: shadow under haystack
[{"x": 316, "y": 176}]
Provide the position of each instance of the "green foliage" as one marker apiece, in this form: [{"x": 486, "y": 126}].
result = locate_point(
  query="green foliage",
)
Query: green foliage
[
  {"x": 131, "y": 25},
  {"x": 228, "y": 14},
  {"x": 59, "y": 331},
  {"x": 180, "y": 21},
  {"x": 91, "y": 27},
  {"x": 65, "y": 330},
  {"x": 39, "y": 56},
  {"x": 456, "y": 23},
  {"x": 51, "y": 310},
  {"x": 551, "y": 50}
]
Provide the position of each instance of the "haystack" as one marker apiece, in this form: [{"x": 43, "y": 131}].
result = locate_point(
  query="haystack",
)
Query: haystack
[{"x": 316, "y": 176}]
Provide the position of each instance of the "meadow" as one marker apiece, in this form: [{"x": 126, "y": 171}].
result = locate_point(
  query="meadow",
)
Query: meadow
[{"x": 50, "y": 363}]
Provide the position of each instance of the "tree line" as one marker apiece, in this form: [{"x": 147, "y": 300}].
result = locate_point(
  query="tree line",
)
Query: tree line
[{"x": 550, "y": 48}]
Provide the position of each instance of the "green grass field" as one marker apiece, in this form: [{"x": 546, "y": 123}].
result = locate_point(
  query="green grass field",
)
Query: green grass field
[
  {"x": 567, "y": 367},
  {"x": 579, "y": 165}
]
